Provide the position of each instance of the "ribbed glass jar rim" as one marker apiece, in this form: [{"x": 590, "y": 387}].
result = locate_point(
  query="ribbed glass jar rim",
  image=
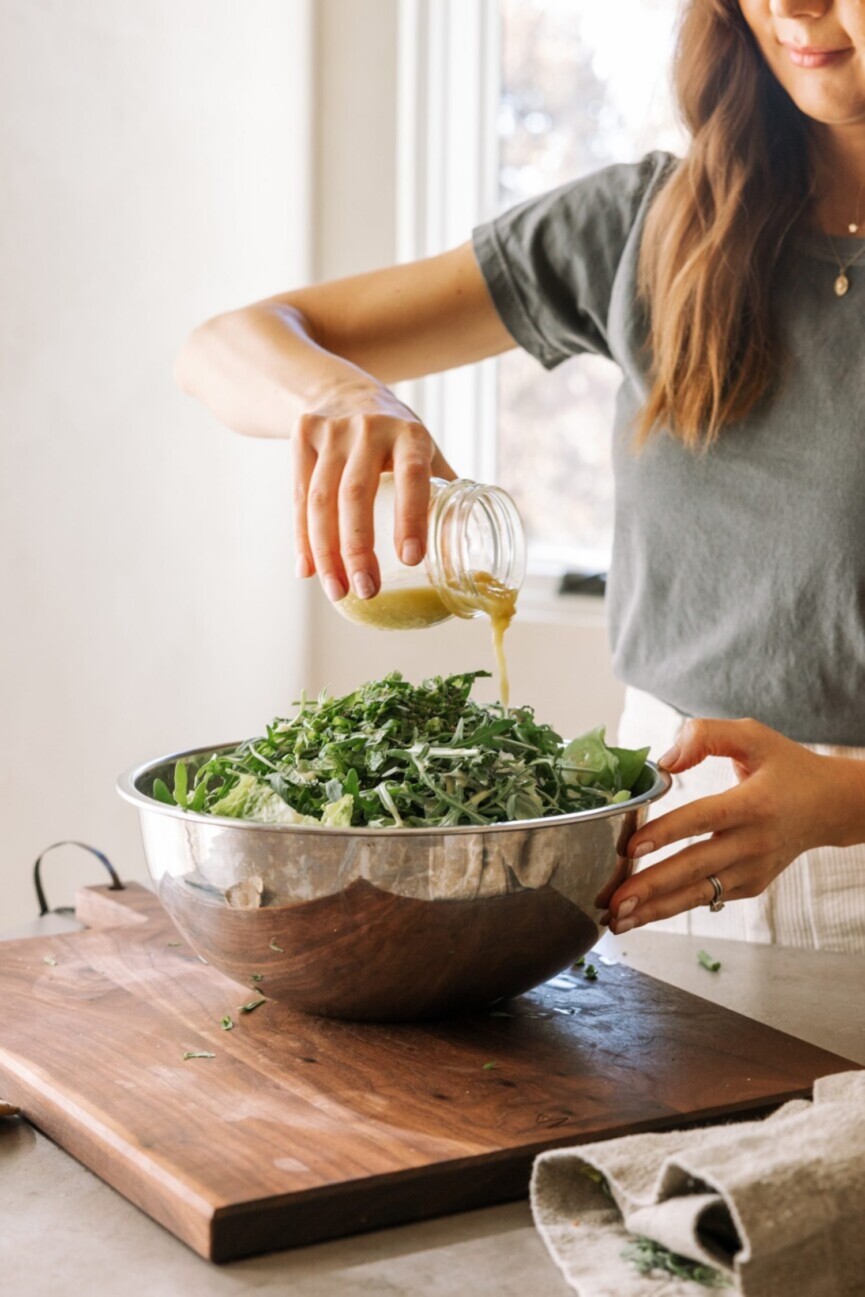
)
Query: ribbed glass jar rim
[{"x": 457, "y": 507}]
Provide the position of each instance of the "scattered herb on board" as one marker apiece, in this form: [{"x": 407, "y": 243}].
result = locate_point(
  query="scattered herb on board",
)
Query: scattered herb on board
[
  {"x": 50, "y": 960},
  {"x": 651, "y": 1258},
  {"x": 227, "y": 1023},
  {"x": 174, "y": 943},
  {"x": 252, "y": 1004},
  {"x": 275, "y": 947},
  {"x": 256, "y": 977},
  {"x": 580, "y": 962},
  {"x": 488, "y": 1067},
  {"x": 198, "y": 1053},
  {"x": 397, "y": 754},
  {"x": 708, "y": 961},
  {"x": 591, "y": 973}
]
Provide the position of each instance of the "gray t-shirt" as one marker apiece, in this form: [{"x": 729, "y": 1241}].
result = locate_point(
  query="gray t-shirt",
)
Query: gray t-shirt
[{"x": 737, "y": 583}]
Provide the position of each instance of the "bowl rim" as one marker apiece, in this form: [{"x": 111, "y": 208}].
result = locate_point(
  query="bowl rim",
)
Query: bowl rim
[{"x": 127, "y": 787}]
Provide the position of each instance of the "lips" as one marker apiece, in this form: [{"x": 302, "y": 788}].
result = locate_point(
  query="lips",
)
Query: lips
[{"x": 808, "y": 56}]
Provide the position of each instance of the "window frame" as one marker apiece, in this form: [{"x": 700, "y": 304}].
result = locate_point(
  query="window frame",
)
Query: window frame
[{"x": 448, "y": 91}]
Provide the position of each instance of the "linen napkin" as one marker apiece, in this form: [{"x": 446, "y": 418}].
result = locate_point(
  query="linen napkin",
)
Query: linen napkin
[{"x": 776, "y": 1205}]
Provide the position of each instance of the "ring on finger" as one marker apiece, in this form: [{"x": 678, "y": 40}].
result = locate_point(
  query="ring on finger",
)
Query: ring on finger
[{"x": 716, "y": 902}]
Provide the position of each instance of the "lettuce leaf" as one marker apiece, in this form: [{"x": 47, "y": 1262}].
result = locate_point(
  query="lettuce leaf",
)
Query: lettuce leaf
[{"x": 589, "y": 762}]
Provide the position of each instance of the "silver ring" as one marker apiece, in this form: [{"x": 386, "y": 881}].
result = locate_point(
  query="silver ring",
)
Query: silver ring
[{"x": 716, "y": 903}]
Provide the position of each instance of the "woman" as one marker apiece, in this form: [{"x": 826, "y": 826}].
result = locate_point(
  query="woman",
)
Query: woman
[{"x": 725, "y": 286}]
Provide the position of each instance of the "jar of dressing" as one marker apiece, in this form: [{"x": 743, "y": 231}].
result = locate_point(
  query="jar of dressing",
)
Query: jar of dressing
[{"x": 475, "y": 563}]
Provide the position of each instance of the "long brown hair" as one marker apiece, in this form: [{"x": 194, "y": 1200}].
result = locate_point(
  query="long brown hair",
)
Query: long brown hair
[{"x": 715, "y": 232}]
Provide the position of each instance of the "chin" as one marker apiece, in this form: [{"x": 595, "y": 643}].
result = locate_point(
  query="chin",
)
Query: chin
[{"x": 821, "y": 105}]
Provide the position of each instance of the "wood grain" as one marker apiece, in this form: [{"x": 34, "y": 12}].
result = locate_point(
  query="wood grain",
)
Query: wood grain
[{"x": 304, "y": 1128}]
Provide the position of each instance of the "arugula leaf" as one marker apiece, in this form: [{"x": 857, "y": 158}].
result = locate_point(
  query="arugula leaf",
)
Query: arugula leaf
[
  {"x": 393, "y": 754},
  {"x": 181, "y": 783}
]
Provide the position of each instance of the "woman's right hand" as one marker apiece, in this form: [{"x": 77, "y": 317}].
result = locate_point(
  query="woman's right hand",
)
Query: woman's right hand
[{"x": 340, "y": 451}]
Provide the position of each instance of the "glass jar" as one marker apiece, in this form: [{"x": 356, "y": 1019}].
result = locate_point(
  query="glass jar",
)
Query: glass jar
[{"x": 475, "y": 560}]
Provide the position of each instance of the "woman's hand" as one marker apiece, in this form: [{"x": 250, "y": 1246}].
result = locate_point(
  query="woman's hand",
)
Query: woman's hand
[
  {"x": 340, "y": 451},
  {"x": 788, "y": 800}
]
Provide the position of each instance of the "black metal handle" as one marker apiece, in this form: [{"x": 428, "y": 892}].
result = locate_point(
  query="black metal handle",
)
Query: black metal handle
[{"x": 116, "y": 884}]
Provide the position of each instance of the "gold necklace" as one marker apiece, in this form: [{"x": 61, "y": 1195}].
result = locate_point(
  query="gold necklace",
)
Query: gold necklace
[{"x": 842, "y": 282}]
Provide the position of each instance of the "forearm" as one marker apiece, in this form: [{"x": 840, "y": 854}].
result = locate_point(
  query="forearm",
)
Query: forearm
[{"x": 258, "y": 369}]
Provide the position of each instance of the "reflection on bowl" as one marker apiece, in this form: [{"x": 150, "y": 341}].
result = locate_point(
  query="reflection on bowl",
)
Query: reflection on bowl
[{"x": 386, "y": 924}]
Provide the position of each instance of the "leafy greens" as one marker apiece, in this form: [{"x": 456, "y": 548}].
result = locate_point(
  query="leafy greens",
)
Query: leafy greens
[{"x": 397, "y": 754}]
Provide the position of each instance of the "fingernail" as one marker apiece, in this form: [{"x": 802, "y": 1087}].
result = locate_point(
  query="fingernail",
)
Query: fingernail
[
  {"x": 364, "y": 586},
  {"x": 604, "y": 920},
  {"x": 334, "y": 589},
  {"x": 626, "y": 926},
  {"x": 669, "y": 758},
  {"x": 642, "y": 850},
  {"x": 411, "y": 552},
  {"x": 627, "y": 907},
  {"x": 303, "y": 568}
]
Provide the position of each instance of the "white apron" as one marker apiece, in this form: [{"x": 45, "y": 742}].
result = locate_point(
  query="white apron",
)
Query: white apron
[{"x": 818, "y": 902}]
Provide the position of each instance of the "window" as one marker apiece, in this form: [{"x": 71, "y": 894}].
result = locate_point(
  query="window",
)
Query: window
[
  {"x": 574, "y": 97},
  {"x": 502, "y": 100}
]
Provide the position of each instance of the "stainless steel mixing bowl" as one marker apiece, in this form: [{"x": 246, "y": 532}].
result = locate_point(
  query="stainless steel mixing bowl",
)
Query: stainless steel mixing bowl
[{"x": 386, "y": 924}]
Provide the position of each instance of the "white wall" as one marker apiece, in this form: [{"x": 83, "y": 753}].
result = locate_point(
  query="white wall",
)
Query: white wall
[
  {"x": 562, "y": 670},
  {"x": 156, "y": 169}
]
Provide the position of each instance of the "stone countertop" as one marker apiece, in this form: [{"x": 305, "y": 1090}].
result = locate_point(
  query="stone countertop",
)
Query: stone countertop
[{"x": 65, "y": 1233}]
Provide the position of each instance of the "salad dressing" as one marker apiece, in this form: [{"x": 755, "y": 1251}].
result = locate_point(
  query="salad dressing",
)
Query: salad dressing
[
  {"x": 411, "y": 608},
  {"x": 414, "y": 607}
]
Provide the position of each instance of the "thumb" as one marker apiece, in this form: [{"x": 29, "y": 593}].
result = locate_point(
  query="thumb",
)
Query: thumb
[{"x": 701, "y": 737}]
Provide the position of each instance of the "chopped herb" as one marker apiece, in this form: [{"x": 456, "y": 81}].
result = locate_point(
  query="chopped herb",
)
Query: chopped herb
[
  {"x": 275, "y": 947},
  {"x": 488, "y": 1067},
  {"x": 227, "y": 1023},
  {"x": 256, "y": 977},
  {"x": 651, "y": 1258},
  {"x": 591, "y": 973},
  {"x": 162, "y": 792},
  {"x": 50, "y": 960},
  {"x": 579, "y": 963},
  {"x": 708, "y": 962},
  {"x": 174, "y": 943},
  {"x": 252, "y": 1004},
  {"x": 393, "y": 753},
  {"x": 198, "y": 1053}
]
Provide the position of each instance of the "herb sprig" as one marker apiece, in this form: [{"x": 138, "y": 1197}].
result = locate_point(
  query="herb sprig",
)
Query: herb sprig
[
  {"x": 650, "y": 1257},
  {"x": 396, "y": 754}
]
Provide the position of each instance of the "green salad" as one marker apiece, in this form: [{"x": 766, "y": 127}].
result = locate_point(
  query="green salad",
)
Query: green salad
[{"x": 393, "y": 754}]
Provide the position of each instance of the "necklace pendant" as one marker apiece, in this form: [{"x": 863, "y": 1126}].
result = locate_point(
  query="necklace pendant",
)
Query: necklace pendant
[{"x": 842, "y": 283}]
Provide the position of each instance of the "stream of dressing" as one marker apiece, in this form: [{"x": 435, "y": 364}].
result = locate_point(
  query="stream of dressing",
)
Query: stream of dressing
[{"x": 419, "y": 606}]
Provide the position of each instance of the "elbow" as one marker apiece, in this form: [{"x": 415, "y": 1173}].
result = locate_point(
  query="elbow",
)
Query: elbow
[{"x": 191, "y": 363}]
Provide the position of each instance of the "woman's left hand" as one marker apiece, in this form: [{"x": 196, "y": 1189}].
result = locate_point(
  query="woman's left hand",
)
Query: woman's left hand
[{"x": 787, "y": 800}]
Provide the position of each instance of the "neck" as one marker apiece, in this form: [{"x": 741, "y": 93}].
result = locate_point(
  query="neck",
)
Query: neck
[{"x": 838, "y": 161}]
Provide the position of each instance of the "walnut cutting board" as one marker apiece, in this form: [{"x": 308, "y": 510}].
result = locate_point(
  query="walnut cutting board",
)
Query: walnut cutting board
[{"x": 301, "y": 1129}]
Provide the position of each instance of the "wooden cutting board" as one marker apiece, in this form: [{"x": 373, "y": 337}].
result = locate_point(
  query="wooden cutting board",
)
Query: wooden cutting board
[{"x": 301, "y": 1129}]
